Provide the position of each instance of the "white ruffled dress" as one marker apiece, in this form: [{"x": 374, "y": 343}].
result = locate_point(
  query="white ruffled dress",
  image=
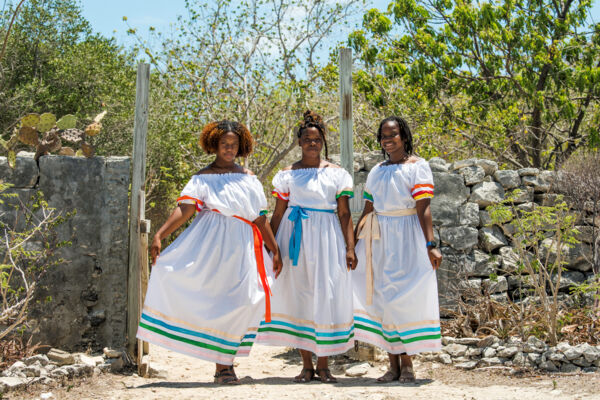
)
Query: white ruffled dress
[
  {"x": 205, "y": 296},
  {"x": 312, "y": 303},
  {"x": 404, "y": 314}
]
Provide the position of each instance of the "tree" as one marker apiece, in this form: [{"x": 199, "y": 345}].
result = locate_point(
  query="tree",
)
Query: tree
[
  {"x": 252, "y": 61},
  {"x": 518, "y": 78}
]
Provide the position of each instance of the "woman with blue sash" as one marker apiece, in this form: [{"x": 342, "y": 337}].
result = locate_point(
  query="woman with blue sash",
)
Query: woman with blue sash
[{"x": 312, "y": 303}]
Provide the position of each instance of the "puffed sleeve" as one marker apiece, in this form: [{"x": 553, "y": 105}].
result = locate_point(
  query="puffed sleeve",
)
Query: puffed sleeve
[
  {"x": 422, "y": 181},
  {"x": 344, "y": 184},
  {"x": 281, "y": 188},
  {"x": 192, "y": 193},
  {"x": 367, "y": 193}
]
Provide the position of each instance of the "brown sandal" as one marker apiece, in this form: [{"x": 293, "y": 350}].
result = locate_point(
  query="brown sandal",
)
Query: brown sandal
[
  {"x": 325, "y": 375},
  {"x": 407, "y": 374},
  {"x": 226, "y": 376},
  {"x": 388, "y": 377},
  {"x": 306, "y": 375}
]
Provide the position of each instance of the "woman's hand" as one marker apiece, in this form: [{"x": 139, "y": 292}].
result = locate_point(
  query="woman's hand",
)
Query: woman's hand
[
  {"x": 435, "y": 256},
  {"x": 155, "y": 248},
  {"x": 351, "y": 259},
  {"x": 277, "y": 264}
]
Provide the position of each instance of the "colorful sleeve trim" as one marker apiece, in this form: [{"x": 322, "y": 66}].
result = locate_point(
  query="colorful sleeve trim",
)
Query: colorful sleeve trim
[
  {"x": 367, "y": 196},
  {"x": 282, "y": 196},
  {"x": 190, "y": 200},
  {"x": 263, "y": 212},
  {"x": 422, "y": 191},
  {"x": 346, "y": 192}
]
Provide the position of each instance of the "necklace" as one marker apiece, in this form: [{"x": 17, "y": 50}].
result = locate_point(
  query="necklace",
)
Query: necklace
[{"x": 402, "y": 159}]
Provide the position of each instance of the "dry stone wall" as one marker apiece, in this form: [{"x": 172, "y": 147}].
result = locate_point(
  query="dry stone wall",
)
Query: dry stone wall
[
  {"x": 88, "y": 291},
  {"x": 478, "y": 256}
]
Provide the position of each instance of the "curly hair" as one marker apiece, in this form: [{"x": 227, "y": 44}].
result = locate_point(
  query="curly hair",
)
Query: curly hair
[
  {"x": 211, "y": 134},
  {"x": 314, "y": 120},
  {"x": 405, "y": 133}
]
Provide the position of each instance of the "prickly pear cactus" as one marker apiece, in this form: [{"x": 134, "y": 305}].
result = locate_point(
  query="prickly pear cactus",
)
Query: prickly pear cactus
[{"x": 47, "y": 134}]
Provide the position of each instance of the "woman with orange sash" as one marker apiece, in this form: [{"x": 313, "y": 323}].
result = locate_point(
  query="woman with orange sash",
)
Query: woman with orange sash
[{"x": 210, "y": 288}]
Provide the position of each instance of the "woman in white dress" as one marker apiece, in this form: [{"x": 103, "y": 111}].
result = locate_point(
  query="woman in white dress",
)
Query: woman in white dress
[
  {"x": 209, "y": 289},
  {"x": 395, "y": 286},
  {"x": 312, "y": 306}
]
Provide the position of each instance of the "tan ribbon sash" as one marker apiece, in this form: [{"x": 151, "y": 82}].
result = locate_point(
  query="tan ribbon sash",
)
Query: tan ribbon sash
[{"x": 368, "y": 229}]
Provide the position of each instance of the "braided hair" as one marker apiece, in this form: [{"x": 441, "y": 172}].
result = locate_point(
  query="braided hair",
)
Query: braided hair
[
  {"x": 405, "y": 133},
  {"x": 314, "y": 120},
  {"x": 212, "y": 132}
]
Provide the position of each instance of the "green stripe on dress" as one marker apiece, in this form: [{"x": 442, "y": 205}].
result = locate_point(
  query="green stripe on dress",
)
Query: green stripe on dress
[
  {"x": 367, "y": 195},
  {"x": 348, "y": 193},
  {"x": 305, "y": 336},
  {"x": 393, "y": 340},
  {"x": 186, "y": 340}
]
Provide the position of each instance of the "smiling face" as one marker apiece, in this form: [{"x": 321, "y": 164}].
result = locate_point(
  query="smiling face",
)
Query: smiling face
[
  {"x": 391, "y": 139},
  {"x": 311, "y": 142},
  {"x": 229, "y": 144}
]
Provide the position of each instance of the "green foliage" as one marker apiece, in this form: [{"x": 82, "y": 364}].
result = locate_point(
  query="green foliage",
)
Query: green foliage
[
  {"x": 520, "y": 79},
  {"x": 30, "y": 245},
  {"x": 541, "y": 238}
]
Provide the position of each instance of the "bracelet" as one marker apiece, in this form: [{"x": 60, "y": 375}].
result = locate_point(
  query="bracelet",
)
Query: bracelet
[{"x": 432, "y": 244}]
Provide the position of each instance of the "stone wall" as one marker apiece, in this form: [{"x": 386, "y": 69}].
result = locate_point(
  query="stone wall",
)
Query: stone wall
[
  {"x": 472, "y": 249},
  {"x": 89, "y": 290}
]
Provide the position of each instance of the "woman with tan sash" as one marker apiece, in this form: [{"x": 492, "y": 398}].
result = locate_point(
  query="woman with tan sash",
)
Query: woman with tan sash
[{"x": 395, "y": 286}]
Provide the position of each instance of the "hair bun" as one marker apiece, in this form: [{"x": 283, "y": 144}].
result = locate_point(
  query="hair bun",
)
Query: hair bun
[{"x": 312, "y": 117}]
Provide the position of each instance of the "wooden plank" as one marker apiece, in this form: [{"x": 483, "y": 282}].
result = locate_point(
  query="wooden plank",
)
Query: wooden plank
[
  {"x": 346, "y": 139},
  {"x": 138, "y": 175}
]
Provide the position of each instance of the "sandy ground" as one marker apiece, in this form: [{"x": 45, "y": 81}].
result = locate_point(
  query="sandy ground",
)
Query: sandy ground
[{"x": 268, "y": 371}]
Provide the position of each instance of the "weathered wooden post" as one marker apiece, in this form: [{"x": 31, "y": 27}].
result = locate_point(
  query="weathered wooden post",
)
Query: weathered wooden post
[
  {"x": 346, "y": 139},
  {"x": 136, "y": 210}
]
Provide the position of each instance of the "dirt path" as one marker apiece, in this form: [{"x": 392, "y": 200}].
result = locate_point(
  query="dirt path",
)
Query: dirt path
[{"x": 267, "y": 374}]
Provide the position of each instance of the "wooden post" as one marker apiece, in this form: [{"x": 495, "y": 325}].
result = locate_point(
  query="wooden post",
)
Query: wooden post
[
  {"x": 138, "y": 176},
  {"x": 346, "y": 140}
]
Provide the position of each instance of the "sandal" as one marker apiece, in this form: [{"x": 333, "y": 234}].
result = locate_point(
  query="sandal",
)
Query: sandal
[
  {"x": 325, "y": 375},
  {"x": 388, "y": 377},
  {"x": 226, "y": 376},
  {"x": 407, "y": 374},
  {"x": 306, "y": 375}
]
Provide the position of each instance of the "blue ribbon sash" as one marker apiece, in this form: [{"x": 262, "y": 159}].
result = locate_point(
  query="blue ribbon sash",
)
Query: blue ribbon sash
[{"x": 296, "y": 216}]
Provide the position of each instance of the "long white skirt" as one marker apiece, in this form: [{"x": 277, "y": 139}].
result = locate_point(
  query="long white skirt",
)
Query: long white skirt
[
  {"x": 312, "y": 302},
  {"x": 204, "y": 296},
  {"x": 404, "y": 316}
]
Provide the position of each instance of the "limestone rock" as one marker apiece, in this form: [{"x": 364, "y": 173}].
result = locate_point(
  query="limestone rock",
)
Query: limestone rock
[
  {"x": 521, "y": 195},
  {"x": 528, "y": 172},
  {"x": 484, "y": 264},
  {"x": 568, "y": 279},
  {"x": 582, "y": 362},
  {"x": 60, "y": 357},
  {"x": 590, "y": 353},
  {"x": 460, "y": 237},
  {"x": 488, "y": 352},
  {"x": 487, "y": 193},
  {"x": 484, "y": 218},
  {"x": 371, "y": 159},
  {"x": 450, "y": 194},
  {"x": 492, "y": 361},
  {"x": 576, "y": 257},
  {"x": 520, "y": 359},
  {"x": 548, "y": 366},
  {"x": 357, "y": 369},
  {"x": 468, "y": 365},
  {"x": 508, "y": 352},
  {"x": 490, "y": 167},
  {"x": 472, "y": 175},
  {"x": 470, "y": 285},
  {"x": 111, "y": 353},
  {"x": 534, "y": 344},
  {"x": 444, "y": 358},
  {"x": 491, "y": 238},
  {"x": 41, "y": 358},
  {"x": 438, "y": 165},
  {"x": 8, "y": 384},
  {"x": 463, "y": 164},
  {"x": 84, "y": 359},
  {"x": 569, "y": 368},
  {"x": 469, "y": 214},
  {"x": 487, "y": 341},
  {"x": 495, "y": 286},
  {"x": 456, "y": 350},
  {"x": 507, "y": 178},
  {"x": 509, "y": 259}
]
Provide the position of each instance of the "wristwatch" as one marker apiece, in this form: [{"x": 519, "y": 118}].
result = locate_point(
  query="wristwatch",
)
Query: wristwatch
[{"x": 432, "y": 244}]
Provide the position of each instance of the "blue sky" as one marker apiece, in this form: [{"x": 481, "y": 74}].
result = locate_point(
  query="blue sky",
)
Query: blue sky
[{"x": 106, "y": 16}]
